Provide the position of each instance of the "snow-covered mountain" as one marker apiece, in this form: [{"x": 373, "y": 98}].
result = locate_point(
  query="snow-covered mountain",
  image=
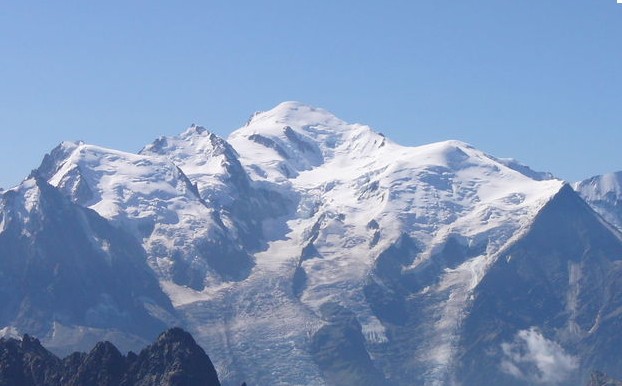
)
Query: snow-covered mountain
[
  {"x": 604, "y": 194},
  {"x": 154, "y": 200},
  {"x": 71, "y": 277},
  {"x": 307, "y": 250}
]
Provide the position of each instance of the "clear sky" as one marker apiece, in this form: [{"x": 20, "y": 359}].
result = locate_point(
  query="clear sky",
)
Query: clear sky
[{"x": 539, "y": 81}]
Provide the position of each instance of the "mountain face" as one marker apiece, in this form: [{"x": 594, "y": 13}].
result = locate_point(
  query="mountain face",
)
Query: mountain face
[
  {"x": 173, "y": 360},
  {"x": 307, "y": 250},
  {"x": 220, "y": 180},
  {"x": 548, "y": 307},
  {"x": 155, "y": 201},
  {"x": 69, "y": 276},
  {"x": 604, "y": 194}
]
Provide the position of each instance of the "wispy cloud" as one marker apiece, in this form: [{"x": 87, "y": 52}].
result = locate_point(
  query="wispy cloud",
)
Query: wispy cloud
[{"x": 534, "y": 358}]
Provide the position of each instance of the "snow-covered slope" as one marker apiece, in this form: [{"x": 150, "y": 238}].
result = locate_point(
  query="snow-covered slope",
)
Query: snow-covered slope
[
  {"x": 360, "y": 194},
  {"x": 604, "y": 194},
  {"x": 151, "y": 197},
  {"x": 208, "y": 160},
  {"x": 70, "y": 277},
  {"x": 215, "y": 170},
  {"x": 307, "y": 250}
]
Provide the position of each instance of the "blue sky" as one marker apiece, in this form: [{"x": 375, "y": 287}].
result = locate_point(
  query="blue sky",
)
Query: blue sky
[{"x": 539, "y": 81}]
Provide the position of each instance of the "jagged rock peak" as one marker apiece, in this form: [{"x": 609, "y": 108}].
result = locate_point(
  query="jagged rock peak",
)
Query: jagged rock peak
[
  {"x": 53, "y": 160},
  {"x": 173, "y": 360},
  {"x": 195, "y": 130},
  {"x": 176, "y": 334},
  {"x": 192, "y": 142}
]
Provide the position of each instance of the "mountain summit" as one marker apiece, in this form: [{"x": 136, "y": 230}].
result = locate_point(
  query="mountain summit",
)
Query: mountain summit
[{"x": 307, "y": 250}]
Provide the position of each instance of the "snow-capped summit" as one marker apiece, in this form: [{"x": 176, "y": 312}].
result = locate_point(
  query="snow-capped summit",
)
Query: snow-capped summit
[
  {"x": 526, "y": 170},
  {"x": 308, "y": 250},
  {"x": 293, "y": 137},
  {"x": 208, "y": 160},
  {"x": 116, "y": 180},
  {"x": 214, "y": 168},
  {"x": 362, "y": 196},
  {"x": 52, "y": 161},
  {"x": 294, "y": 114},
  {"x": 151, "y": 197}
]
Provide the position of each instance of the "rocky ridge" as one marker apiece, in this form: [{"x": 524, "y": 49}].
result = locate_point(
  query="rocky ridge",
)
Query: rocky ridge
[{"x": 174, "y": 359}]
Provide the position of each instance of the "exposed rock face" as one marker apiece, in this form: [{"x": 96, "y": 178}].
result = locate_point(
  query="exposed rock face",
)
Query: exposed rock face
[
  {"x": 173, "y": 360},
  {"x": 338, "y": 348},
  {"x": 64, "y": 265},
  {"x": 28, "y": 363},
  {"x": 551, "y": 294}
]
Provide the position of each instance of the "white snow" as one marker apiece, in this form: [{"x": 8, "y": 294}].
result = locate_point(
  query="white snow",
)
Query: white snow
[
  {"x": 604, "y": 194},
  {"x": 431, "y": 192},
  {"x": 26, "y": 201},
  {"x": 345, "y": 177},
  {"x": 146, "y": 194},
  {"x": 10, "y": 332},
  {"x": 201, "y": 155},
  {"x": 182, "y": 295},
  {"x": 597, "y": 188}
]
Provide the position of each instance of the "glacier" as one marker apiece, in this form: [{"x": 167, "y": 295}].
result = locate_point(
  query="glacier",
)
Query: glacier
[{"x": 305, "y": 250}]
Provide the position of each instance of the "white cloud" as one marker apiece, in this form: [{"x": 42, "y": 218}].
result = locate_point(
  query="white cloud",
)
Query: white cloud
[{"x": 534, "y": 358}]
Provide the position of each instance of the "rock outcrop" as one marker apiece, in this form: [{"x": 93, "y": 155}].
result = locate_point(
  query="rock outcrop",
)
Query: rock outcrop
[{"x": 173, "y": 360}]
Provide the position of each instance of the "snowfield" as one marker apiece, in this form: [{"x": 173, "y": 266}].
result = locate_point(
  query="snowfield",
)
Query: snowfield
[{"x": 300, "y": 225}]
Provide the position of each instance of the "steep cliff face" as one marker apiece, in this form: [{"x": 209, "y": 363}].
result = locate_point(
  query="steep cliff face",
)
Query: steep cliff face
[
  {"x": 27, "y": 363},
  {"x": 545, "y": 312},
  {"x": 173, "y": 360},
  {"x": 67, "y": 273}
]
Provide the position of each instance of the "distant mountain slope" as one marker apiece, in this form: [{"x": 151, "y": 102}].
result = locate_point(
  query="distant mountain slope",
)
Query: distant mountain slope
[
  {"x": 173, "y": 360},
  {"x": 604, "y": 194}
]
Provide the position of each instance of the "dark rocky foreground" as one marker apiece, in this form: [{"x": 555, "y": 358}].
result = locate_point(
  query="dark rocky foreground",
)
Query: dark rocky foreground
[{"x": 173, "y": 359}]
